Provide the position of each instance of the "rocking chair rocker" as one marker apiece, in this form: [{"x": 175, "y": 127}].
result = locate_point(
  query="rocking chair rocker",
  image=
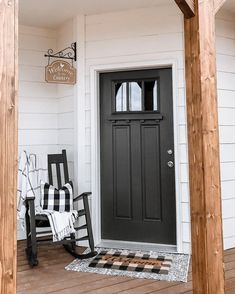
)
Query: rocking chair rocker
[{"x": 38, "y": 221}]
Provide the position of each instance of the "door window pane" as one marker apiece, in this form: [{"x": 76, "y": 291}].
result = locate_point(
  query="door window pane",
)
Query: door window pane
[
  {"x": 121, "y": 96},
  {"x": 135, "y": 96},
  {"x": 151, "y": 95}
]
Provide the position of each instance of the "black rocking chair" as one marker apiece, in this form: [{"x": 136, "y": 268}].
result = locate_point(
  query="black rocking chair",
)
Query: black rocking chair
[{"x": 35, "y": 239}]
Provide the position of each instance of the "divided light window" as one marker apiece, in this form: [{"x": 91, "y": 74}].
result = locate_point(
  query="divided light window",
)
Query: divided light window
[{"x": 136, "y": 96}]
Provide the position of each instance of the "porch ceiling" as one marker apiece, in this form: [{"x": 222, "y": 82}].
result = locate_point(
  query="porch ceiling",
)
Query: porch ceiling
[
  {"x": 53, "y": 13},
  {"x": 230, "y": 5}
]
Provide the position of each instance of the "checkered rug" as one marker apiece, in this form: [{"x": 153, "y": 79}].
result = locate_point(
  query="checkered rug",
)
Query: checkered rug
[
  {"x": 162, "y": 266},
  {"x": 133, "y": 261}
]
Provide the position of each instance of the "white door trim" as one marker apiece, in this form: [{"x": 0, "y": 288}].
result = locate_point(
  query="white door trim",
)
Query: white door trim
[{"x": 95, "y": 138}]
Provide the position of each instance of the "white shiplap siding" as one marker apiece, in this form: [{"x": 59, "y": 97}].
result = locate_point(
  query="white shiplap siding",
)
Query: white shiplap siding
[
  {"x": 66, "y": 98},
  {"x": 38, "y": 107},
  {"x": 37, "y": 100},
  {"x": 142, "y": 35},
  {"x": 46, "y": 115},
  {"x": 225, "y": 44},
  {"x": 48, "y": 118}
]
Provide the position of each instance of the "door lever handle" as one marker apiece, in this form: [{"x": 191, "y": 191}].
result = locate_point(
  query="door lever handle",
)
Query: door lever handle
[{"x": 170, "y": 164}]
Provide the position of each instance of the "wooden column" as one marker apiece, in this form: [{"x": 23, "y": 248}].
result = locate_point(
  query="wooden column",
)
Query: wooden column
[
  {"x": 203, "y": 140},
  {"x": 8, "y": 143}
]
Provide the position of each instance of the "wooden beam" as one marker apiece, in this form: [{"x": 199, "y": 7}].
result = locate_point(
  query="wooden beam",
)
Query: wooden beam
[
  {"x": 8, "y": 143},
  {"x": 204, "y": 161},
  {"x": 187, "y": 7},
  {"x": 219, "y": 4}
]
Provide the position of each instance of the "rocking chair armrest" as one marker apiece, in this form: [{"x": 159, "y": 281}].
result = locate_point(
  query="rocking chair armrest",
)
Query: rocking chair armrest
[
  {"x": 30, "y": 206},
  {"x": 85, "y": 194},
  {"x": 30, "y": 199}
]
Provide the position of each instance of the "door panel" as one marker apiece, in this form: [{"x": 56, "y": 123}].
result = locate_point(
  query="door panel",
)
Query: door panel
[
  {"x": 122, "y": 171},
  {"x": 151, "y": 172},
  {"x": 137, "y": 184}
]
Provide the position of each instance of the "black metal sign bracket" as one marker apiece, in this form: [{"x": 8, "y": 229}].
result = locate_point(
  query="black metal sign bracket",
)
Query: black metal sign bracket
[{"x": 67, "y": 53}]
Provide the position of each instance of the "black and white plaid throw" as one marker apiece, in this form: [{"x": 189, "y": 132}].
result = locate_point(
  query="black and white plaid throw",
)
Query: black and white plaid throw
[{"x": 58, "y": 200}]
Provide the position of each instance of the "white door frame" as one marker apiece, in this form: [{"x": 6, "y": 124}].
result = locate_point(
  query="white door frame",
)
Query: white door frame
[{"x": 95, "y": 138}]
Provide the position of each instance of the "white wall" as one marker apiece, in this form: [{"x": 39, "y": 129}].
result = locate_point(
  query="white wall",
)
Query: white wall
[
  {"x": 131, "y": 36},
  {"x": 116, "y": 38},
  {"x": 225, "y": 32},
  {"x": 151, "y": 34},
  {"x": 38, "y": 103},
  {"x": 46, "y": 113},
  {"x": 65, "y": 94}
]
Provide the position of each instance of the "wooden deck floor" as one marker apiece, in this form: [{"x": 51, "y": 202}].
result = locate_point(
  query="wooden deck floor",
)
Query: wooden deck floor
[{"x": 51, "y": 277}]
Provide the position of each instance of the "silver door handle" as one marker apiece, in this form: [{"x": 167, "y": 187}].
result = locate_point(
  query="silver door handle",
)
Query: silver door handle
[{"x": 170, "y": 164}]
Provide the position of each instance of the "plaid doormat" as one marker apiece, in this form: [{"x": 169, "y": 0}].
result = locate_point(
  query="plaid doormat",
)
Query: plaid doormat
[
  {"x": 136, "y": 264},
  {"x": 133, "y": 261}
]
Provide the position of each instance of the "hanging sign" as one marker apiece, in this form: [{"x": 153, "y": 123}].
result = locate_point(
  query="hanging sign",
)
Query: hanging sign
[{"x": 60, "y": 72}]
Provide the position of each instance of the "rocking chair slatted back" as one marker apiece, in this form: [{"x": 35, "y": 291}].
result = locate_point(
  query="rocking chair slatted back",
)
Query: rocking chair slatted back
[{"x": 58, "y": 159}]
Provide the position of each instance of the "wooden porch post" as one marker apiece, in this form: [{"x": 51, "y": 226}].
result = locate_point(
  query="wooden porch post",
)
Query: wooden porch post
[
  {"x": 8, "y": 143},
  {"x": 203, "y": 140}
]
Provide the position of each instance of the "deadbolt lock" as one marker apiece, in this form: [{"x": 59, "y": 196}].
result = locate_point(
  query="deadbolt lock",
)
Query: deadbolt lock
[{"x": 170, "y": 151}]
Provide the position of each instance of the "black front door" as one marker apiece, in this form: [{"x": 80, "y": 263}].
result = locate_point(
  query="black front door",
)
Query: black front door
[{"x": 137, "y": 156}]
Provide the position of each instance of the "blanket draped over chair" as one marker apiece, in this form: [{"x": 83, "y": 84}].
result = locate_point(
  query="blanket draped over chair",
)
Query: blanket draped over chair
[{"x": 32, "y": 170}]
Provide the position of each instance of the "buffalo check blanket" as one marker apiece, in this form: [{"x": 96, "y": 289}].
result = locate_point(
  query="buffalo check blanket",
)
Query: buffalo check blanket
[{"x": 136, "y": 262}]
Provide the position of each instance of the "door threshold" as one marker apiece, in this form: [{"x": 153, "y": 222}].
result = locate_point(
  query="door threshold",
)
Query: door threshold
[{"x": 137, "y": 246}]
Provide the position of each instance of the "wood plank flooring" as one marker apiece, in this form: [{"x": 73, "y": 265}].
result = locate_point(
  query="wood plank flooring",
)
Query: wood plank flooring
[{"x": 51, "y": 277}]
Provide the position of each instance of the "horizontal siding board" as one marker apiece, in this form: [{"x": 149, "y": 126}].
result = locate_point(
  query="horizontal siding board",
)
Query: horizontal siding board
[
  {"x": 229, "y": 227},
  {"x": 228, "y": 189},
  {"x": 40, "y": 150},
  {"x": 227, "y": 171},
  {"x": 42, "y": 122},
  {"x": 66, "y": 136},
  {"x": 227, "y": 134},
  {"x": 36, "y": 31},
  {"x": 229, "y": 242},
  {"x": 66, "y": 120},
  {"x": 37, "y": 89},
  {"x": 66, "y": 104},
  {"x": 227, "y": 153},
  {"x": 31, "y": 73},
  {"x": 225, "y": 46},
  {"x": 129, "y": 46},
  {"x": 225, "y": 63},
  {"x": 37, "y": 137},
  {"x": 177, "y": 56},
  {"x": 65, "y": 90},
  {"x": 226, "y": 98},
  {"x": 134, "y": 15},
  {"x": 155, "y": 23},
  {"x": 32, "y": 58},
  {"x": 225, "y": 28},
  {"x": 38, "y": 105},
  {"x": 226, "y": 81},
  {"x": 36, "y": 43},
  {"x": 228, "y": 208},
  {"x": 227, "y": 116}
]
